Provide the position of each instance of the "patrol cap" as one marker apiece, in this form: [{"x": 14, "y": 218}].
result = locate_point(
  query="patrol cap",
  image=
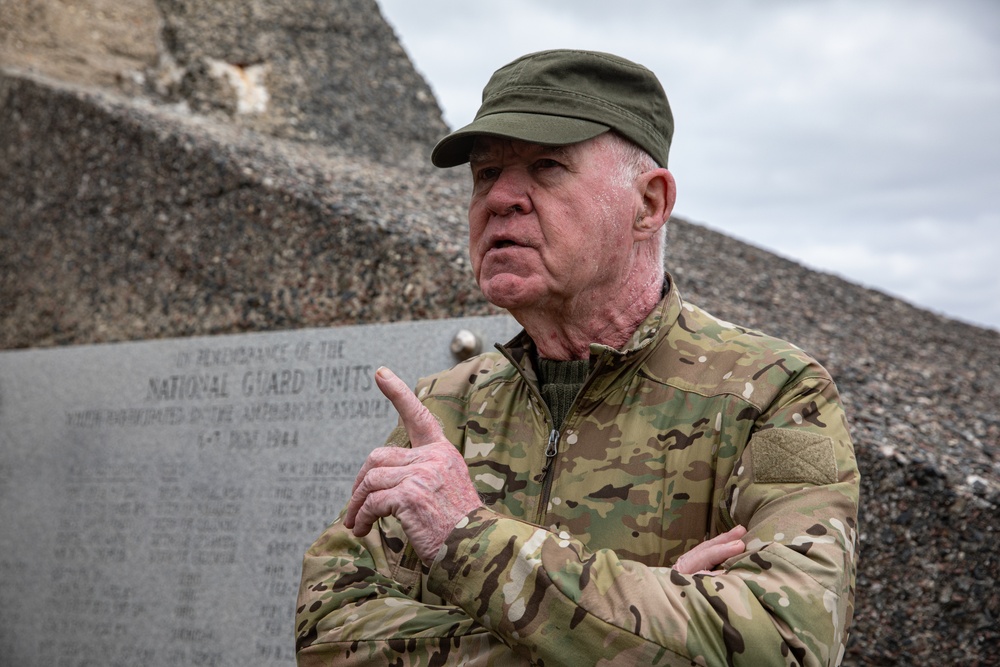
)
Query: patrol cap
[{"x": 562, "y": 97}]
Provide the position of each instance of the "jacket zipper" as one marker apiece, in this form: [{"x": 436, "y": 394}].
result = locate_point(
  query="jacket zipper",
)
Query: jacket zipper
[
  {"x": 552, "y": 445},
  {"x": 551, "y": 449}
]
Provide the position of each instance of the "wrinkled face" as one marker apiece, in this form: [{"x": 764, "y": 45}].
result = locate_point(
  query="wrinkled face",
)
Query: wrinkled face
[{"x": 549, "y": 224}]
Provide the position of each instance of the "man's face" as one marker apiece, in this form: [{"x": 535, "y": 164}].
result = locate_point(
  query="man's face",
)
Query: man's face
[{"x": 549, "y": 225}]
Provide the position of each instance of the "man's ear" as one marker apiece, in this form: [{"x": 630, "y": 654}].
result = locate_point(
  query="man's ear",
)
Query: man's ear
[{"x": 659, "y": 192}]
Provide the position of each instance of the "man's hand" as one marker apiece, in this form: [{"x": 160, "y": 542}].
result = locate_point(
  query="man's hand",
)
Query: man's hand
[
  {"x": 711, "y": 553},
  {"x": 426, "y": 487}
]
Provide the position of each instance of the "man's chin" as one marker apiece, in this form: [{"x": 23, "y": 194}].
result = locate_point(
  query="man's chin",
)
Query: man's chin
[{"x": 509, "y": 292}]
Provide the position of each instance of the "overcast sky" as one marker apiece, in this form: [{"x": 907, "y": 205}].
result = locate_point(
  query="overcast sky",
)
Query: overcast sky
[{"x": 860, "y": 138}]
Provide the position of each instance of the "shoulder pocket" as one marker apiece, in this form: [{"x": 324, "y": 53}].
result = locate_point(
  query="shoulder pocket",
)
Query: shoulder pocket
[{"x": 787, "y": 456}]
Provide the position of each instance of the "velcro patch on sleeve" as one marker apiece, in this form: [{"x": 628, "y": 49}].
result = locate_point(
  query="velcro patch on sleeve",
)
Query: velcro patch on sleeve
[{"x": 787, "y": 456}]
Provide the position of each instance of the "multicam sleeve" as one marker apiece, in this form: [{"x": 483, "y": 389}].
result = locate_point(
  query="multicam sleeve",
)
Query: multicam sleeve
[
  {"x": 796, "y": 489},
  {"x": 360, "y": 604},
  {"x": 786, "y": 601}
]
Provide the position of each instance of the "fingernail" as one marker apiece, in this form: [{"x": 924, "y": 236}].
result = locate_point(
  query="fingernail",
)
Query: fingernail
[{"x": 382, "y": 372}]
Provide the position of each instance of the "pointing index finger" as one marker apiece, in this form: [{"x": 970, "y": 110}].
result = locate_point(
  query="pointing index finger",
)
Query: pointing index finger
[{"x": 420, "y": 424}]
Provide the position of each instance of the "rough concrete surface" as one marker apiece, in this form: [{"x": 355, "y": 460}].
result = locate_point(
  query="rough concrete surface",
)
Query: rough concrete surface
[{"x": 139, "y": 199}]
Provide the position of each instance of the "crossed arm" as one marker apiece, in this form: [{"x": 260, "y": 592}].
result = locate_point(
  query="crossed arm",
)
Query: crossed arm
[{"x": 468, "y": 598}]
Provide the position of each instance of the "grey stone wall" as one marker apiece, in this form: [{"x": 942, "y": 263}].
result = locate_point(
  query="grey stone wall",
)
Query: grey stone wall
[{"x": 328, "y": 71}]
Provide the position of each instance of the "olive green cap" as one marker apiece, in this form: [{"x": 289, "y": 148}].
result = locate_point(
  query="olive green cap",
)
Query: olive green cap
[{"x": 563, "y": 97}]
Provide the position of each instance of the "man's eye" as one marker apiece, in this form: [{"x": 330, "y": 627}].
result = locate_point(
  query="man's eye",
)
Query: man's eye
[
  {"x": 487, "y": 173},
  {"x": 546, "y": 163}
]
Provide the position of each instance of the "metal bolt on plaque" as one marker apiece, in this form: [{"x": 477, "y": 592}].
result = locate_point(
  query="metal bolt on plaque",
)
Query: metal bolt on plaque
[{"x": 465, "y": 344}]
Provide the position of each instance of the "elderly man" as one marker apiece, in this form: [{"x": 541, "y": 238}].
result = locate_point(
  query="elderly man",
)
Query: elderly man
[{"x": 580, "y": 496}]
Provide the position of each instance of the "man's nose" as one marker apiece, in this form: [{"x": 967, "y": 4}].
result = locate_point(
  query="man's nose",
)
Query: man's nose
[{"x": 510, "y": 193}]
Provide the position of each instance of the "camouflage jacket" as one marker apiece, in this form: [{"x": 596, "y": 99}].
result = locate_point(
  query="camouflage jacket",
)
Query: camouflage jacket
[{"x": 695, "y": 426}]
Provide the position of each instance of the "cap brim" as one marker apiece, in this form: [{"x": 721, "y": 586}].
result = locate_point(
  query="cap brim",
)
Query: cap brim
[{"x": 543, "y": 129}]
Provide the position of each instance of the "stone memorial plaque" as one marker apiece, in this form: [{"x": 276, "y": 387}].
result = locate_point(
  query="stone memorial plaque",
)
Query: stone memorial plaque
[{"x": 156, "y": 497}]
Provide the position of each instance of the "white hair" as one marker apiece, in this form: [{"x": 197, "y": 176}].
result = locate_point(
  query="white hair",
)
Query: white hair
[{"x": 632, "y": 162}]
